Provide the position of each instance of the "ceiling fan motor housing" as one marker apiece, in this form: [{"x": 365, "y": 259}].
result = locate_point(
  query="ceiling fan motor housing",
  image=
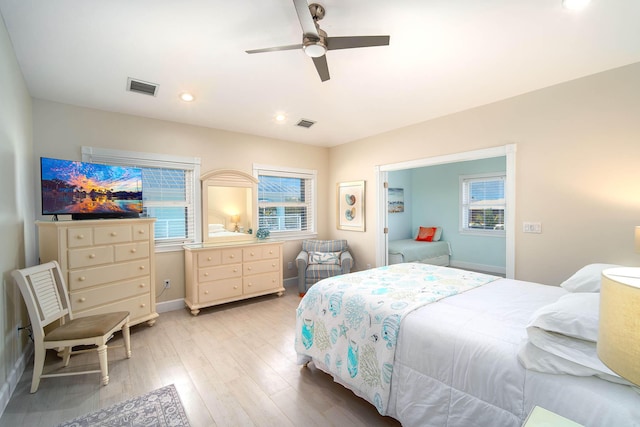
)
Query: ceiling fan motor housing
[{"x": 313, "y": 46}]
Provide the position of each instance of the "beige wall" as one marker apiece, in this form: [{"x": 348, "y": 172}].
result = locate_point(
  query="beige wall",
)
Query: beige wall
[
  {"x": 61, "y": 130},
  {"x": 577, "y": 169},
  {"x": 16, "y": 212}
]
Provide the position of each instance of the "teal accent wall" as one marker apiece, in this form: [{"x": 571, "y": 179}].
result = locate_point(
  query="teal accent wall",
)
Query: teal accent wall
[{"x": 434, "y": 200}]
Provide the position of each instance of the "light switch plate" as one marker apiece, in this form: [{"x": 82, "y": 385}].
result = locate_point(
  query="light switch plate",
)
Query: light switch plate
[{"x": 532, "y": 227}]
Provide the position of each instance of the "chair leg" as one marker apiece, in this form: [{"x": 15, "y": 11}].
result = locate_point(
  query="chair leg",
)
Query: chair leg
[
  {"x": 66, "y": 356},
  {"x": 127, "y": 339},
  {"x": 38, "y": 366},
  {"x": 104, "y": 368}
]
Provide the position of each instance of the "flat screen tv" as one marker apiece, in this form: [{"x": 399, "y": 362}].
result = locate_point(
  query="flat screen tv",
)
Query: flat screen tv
[{"x": 90, "y": 190}]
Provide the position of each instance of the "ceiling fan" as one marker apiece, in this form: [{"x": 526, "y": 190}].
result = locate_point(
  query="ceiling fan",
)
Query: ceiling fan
[{"x": 315, "y": 41}]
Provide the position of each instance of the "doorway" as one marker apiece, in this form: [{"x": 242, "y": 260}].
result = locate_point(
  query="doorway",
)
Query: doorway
[{"x": 507, "y": 151}]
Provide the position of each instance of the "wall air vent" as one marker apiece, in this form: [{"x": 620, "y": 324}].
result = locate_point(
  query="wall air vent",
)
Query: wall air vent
[
  {"x": 305, "y": 123},
  {"x": 139, "y": 86}
]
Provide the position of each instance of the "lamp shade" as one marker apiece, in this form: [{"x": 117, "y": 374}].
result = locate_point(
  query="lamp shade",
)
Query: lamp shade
[
  {"x": 235, "y": 218},
  {"x": 619, "y": 327}
]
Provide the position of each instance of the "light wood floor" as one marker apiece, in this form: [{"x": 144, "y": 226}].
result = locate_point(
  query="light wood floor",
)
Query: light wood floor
[{"x": 232, "y": 365}]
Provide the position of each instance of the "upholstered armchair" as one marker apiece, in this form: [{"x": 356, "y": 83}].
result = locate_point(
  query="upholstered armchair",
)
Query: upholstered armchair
[{"x": 320, "y": 259}]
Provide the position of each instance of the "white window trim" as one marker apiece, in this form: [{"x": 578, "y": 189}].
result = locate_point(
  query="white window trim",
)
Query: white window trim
[
  {"x": 473, "y": 232},
  {"x": 159, "y": 161},
  {"x": 294, "y": 173}
]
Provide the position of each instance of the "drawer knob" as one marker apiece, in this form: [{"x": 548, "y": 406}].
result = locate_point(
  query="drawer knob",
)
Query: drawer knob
[
  {"x": 208, "y": 258},
  {"x": 142, "y": 285},
  {"x": 206, "y": 292},
  {"x": 206, "y": 274},
  {"x": 273, "y": 265},
  {"x": 92, "y": 256},
  {"x": 232, "y": 256},
  {"x": 252, "y": 254},
  {"x": 143, "y": 305},
  {"x": 249, "y": 284},
  {"x": 114, "y": 234},
  {"x": 140, "y": 231},
  {"x": 235, "y": 287},
  {"x": 249, "y": 268},
  {"x": 82, "y": 278},
  {"x": 235, "y": 270},
  {"x": 134, "y": 250},
  {"x": 80, "y": 236},
  {"x": 83, "y": 299},
  {"x": 270, "y": 252},
  {"x": 142, "y": 267}
]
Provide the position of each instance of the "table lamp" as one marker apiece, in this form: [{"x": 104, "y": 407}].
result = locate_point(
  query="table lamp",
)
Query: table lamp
[
  {"x": 619, "y": 326},
  {"x": 235, "y": 219}
]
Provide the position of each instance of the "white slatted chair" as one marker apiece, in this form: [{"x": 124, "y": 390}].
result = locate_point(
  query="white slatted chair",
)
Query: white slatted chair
[{"x": 45, "y": 294}]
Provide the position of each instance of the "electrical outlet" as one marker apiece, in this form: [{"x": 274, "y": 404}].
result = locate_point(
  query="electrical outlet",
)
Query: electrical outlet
[
  {"x": 290, "y": 266},
  {"x": 368, "y": 266},
  {"x": 532, "y": 227},
  {"x": 167, "y": 283}
]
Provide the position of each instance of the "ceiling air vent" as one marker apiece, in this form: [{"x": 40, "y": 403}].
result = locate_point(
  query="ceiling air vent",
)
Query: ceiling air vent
[
  {"x": 305, "y": 123},
  {"x": 143, "y": 87}
]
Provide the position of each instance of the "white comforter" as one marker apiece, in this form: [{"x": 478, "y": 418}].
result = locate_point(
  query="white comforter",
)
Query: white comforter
[{"x": 456, "y": 365}]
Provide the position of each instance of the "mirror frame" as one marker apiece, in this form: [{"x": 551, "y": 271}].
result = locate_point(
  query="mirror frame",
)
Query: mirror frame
[{"x": 226, "y": 178}]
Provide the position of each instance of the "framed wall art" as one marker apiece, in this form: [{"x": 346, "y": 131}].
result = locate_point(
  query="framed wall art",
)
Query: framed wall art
[
  {"x": 396, "y": 200},
  {"x": 350, "y": 206}
]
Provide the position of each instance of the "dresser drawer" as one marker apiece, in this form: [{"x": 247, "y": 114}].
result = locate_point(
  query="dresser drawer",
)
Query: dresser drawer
[
  {"x": 112, "y": 234},
  {"x": 141, "y": 232},
  {"x": 270, "y": 251},
  {"x": 231, "y": 256},
  {"x": 88, "y": 257},
  {"x": 137, "y": 307},
  {"x": 78, "y": 237},
  {"x": 259, "y": 267},
  {"x": 261, "y": 282},
  {"x": 87, "y": 298},
  {"x": 253, "y": 253},
  {"x": 219, "y": 289},
  {"x": 219, "y": 272},
  {"x": 209, "y": 258},
  {"x": 132, "y": 251},
  {"x": 84, "y": 278}
]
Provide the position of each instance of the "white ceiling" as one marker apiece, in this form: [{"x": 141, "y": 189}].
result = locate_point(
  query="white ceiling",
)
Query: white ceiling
[{"x": 444, "y": 56}]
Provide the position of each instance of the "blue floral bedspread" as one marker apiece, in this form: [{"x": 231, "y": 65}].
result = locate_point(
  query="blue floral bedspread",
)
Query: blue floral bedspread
[{"x": 350, "y": 323}]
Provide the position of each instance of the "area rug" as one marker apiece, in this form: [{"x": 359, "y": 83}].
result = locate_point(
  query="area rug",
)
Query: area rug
[{"x": 159, "y": 408}]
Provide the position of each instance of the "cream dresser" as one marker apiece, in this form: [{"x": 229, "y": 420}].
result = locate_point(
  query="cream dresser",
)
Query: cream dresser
[
  {"x": 217, "y": 273},
  {"x": 108, "y": 264}
]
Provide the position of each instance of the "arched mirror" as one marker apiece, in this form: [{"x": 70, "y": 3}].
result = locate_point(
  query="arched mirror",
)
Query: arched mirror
[{"x": 228, "y": 204}]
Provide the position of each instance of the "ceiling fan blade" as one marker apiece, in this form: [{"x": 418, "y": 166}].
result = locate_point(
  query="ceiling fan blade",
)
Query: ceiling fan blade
[
  {"x": 275, "y": 49},
  {"x": 322, "y": 67},
  {"x": 334, "y": 43},
  {"x": 305, "y": 18}
]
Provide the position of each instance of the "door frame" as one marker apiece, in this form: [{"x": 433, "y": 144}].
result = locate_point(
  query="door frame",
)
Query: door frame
[{"x": 508, "y": 151}]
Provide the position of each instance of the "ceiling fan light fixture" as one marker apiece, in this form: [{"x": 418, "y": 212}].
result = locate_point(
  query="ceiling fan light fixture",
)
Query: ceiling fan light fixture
[{"x": 315, "y": 50}]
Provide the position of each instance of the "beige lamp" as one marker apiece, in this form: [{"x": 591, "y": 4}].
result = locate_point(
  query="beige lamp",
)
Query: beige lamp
[
  {"x": 619, "y": 327},
  {"x": 235, "y": 219}
]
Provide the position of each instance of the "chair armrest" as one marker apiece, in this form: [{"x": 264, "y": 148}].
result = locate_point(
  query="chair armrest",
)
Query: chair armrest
[
  {"x": 301, "y": 263},
  {"x": 302, "y": 259},
  {"x": 346, "y": 261}
]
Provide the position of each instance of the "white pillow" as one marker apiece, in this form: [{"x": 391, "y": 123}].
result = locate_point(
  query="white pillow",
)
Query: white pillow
[
  {"x": 324, "y": 258},
  {"x": 574, "y": 315},
  {"x": 436, "y": 236},
  {"x": 215, "y": 227},
  {"x": 587, "y": 279}
]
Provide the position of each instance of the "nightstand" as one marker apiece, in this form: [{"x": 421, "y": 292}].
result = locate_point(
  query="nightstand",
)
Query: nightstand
[{"x": 540, "y": 417}]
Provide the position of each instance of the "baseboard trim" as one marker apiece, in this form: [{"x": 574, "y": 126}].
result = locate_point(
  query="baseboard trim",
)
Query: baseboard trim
[
  {"x": 165, "y": 306},
  {"x": 7, "y": 389},
  {"x": 478, "y": 267}
]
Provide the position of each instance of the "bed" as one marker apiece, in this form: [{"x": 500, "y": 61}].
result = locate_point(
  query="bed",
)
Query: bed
[
  {"x": 382, "y": 333},
  {"x": 411, "y": 250},
  {"x": 425, "y": 247}
]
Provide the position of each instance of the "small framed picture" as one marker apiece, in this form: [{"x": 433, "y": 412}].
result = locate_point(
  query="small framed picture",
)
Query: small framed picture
[
  {"x": 350, "y": 205},
  {"x": 396, "y": 200}
]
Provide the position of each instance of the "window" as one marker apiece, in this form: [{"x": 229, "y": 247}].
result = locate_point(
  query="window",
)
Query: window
[
  {"x": 169, "y": 192},
  {"x": 482, "y": 203},
  {"x": 286, "y": 201}
]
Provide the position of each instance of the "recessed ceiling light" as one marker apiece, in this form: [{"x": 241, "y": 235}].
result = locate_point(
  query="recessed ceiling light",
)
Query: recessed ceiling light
[
  {"x": 187, "y": 97},
  {"x": 575, "y": 4},
  {"x": 280, "y": 117}
]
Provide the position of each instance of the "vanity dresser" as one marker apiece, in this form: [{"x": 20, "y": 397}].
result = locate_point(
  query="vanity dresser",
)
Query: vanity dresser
[
  {"x": 108, "y": 264},
  {"x": 216, "y": 273}
]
